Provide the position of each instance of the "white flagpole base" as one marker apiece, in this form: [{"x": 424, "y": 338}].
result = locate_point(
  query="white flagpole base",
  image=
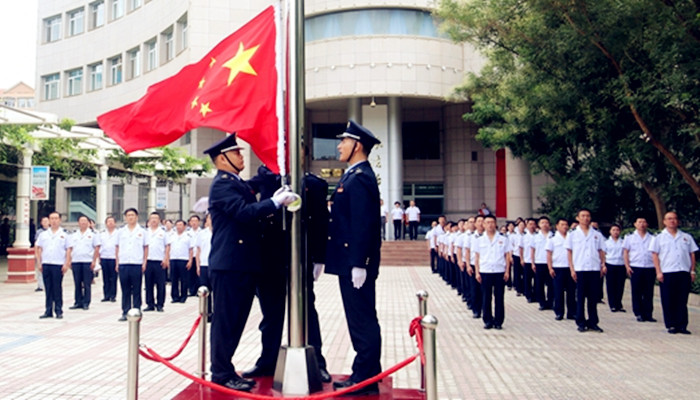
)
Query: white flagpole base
[{"x": 297, "y": 371}]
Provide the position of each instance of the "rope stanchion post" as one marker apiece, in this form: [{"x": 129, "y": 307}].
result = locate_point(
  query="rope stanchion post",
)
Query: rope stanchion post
[
  {"x": 429, "y": 324},
  {"x": 132, "y": 377},
  {"x": 422, "y": 296},
  {"x": 203, "y": 293}
]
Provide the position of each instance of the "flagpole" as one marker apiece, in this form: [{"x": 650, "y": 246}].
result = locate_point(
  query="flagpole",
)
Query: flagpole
[{"x": 297, "y": 370}]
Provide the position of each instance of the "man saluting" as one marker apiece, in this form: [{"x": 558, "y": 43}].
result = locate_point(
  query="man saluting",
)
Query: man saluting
[{"x": 353, "y": 252}]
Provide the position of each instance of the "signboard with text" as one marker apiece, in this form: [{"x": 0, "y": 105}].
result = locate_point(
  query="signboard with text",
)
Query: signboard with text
[
  {"x": 161, "y": 198},
  {"x": 40, "y": 183}
]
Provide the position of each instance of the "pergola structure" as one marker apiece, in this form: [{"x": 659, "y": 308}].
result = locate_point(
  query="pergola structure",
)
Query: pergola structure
[{"x": 21, "y": 257}]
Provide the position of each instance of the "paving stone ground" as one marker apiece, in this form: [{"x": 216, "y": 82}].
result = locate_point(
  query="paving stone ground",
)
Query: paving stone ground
[{"x": 84, "y": 356}]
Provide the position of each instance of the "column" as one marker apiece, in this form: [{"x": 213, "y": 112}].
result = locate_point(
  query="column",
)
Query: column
[
  {"x": 20, "y": 258},
  {"x": 184, "y": 200},
  {"x": 152, "y": 181},
  {"x": 395, "y": 154},
  {"x": 355, "y": 109},
  {"x": 518, "y": 187},
  {"x": 102, "y": 186}
]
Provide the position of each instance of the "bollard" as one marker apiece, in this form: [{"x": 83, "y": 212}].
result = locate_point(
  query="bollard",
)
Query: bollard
[
  {"x": 132, "y": 372},
  {"x": 422, "y": 310},
  {"x": 203, "y": 293},
  {"x": 429, "y": 324}
]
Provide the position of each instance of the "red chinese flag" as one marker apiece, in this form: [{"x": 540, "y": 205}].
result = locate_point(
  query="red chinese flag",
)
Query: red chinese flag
[{"x": 234, "y": 88}]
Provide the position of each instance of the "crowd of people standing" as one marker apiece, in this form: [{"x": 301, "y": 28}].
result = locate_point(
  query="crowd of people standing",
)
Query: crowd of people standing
[{"x": 564, "y": 269}]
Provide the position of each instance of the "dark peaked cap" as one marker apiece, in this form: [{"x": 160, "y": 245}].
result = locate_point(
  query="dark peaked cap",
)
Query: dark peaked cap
[
  {"x": 360, "y": 133},
  {"x": 226, "y": 144}
]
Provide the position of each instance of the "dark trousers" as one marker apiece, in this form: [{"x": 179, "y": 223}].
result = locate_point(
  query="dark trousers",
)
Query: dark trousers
[
  {"x": 397, "y": 228},
  {"x": 365, "y": 334},
  {"x": 517, "y": 275},
  {"x": 53, "y": 288},
  {"x": 564, "y": 292},
  {"x": 433, "y": 260},
  {"x": 109, "y": 279},
  {"x": 674, "y": 299},
  {"x": 382, "y": 231},
  {"x": 233, "y": 293},
  {"x": 466, "y": 288},
  {"x": 205, "y": 280},
  {"x": 543, "y": 286},
  {"x": 642, "y": 282},
  {"x": 193, "y": 279},
  {"x": 155, "y": 279},
  {"x": 493, "y": 286},
  {"x": 130, "y": 277},
  {"x": 82, "y": 277},
  {"x": 528, "y": 277},
  {"x": 413, "y": 230},
  {"x": 475, "y": 291},
  {"x": 272, "y": 295},
  {"x": 587, "y": 295},
  {"x": 178, "y": 288},
  {"x": 615, "y": 279},
  {"x": 314, "y": 328}
]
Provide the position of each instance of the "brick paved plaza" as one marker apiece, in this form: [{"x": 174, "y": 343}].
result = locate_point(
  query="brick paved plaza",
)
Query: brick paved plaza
[{"x": 83, "y": 356}]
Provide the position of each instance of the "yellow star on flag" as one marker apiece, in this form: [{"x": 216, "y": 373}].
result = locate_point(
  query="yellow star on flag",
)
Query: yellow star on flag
[
  {"x": 201, "y": 83},
  {"x": 241, "y": 62},
  {"x": 204, "y": 109},
  {"x": 194, "y": 102},
  {"x": 212, "y": 62}
]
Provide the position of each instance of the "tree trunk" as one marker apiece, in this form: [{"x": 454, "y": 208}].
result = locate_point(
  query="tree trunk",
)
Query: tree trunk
[{"x": 659, "y": 203}]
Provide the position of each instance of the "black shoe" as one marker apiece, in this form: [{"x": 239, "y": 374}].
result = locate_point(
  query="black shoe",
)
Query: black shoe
[
  {"x": 122, "y": 319},
  {"x": 159, "y": 309},
  {"x": 582, "y": 329},
  {"x": 650, "y": 319},
  {"x": 541, "y": 308},
  {"x": 38, "y": 289},
  {"x": 74, "y": 307},
  {"x": 571, "y": 317},
  {"x": 488, "y": 326},
  {"x": 640, "y": 318},
  {"x": 258, "y": 371},
  {"x": 621, "y": 310},
  {"x": 47, "y": 315},
  {"x": 559, "y": 317},
  {"x": 672, "y": 331},
  {"x": 497, "y": 327},
  {"x": 239, "y": 384},
  {"x": 518, "y": 294},
  {"x": 365, "y": 391},
  {"x": 104, "y": 300},
  {"x": 684, "y": 331},
  {"x": 59, "y": 316},
  {"x": 175, "y": 301},
  {"x": 476, "y": 315},
  {"x": 149, "y": 308},
  {"x": 613, "y": 310},
  {"x": 325, "y": 376},
  {"x": 113, "y": 299},
  {"x": 86, "y": 307},
  {"x": 596, "y": 328}
]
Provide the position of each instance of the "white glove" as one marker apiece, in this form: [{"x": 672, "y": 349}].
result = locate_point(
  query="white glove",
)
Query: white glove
[
  {"x": 284, "y": 198},
  {"x": 282, "y": 189},
  {"x": 359, "y": 276},
  {"x": 318, "y": 270}
]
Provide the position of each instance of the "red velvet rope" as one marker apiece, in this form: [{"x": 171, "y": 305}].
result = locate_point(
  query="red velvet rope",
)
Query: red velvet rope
[
  {"x": 182, "y": 347},
  {"x": 414, "y": 330}
]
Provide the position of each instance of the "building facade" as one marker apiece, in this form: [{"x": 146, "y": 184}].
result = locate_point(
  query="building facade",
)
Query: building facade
[{"x": 383, "y": 63}]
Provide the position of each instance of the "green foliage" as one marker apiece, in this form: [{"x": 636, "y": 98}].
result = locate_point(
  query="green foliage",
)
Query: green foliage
[
  {"x": 572, "y": 86},
  {"x": 173, "y": 163}
]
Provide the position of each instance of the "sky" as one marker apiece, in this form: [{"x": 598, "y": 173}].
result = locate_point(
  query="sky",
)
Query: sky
[{"x": 18, "y": 29}]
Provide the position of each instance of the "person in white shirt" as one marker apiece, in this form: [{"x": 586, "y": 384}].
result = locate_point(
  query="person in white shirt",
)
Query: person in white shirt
[
  {"x": 558, "y": 264},
  {"x": 53, "y": 254},
  {"x": 203, "y": 248},
  {"x": 673, "y": 253},
  {"x": 413, "y": 214},
  {"x": 526, "y": 259},
  {"x": 397, "y": 219},
  {"x": 85, "y": 250},
  {"x": 158, "y": 261},
  {"x": 43, "y": 226},
  {"x": 587, "y": 266},
  {"x": 180, "y": 261},
  {"x": 491, "y": 270},
  {"x": 435, "y": 243},
  {"x": 131, "y": 256},
  {"x": 192, "y": 277},
  {"x": 384, "y": 215},
  {"x": 515, "y": 240},
  {"x": 431, "y": 245},
  {"x": 538, "y": 255},
  {"x": 640, "y": 269},
  {"x": 108, "y": 245},
  {"x": 475, "y": 291},
  {"x": 617, "y": 273}
]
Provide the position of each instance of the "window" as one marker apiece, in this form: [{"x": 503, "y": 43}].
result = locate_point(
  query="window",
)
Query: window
[
  {"x": 117, "y": 9},
  {"x": 134, "y": 4},
  {"x": 50, "y": 83},
  {"x": 117, "y": 200},
  {"x": 95, "y": 71},
  {"x": 74, "y": 82},
  {"x": 151, "y": 55},
  {"x": 182, "y": 29},
  {"x": 52, "y": 29},
  {"x": 115, "y": 70},
  {"x": 134, "y": 67},
  {"x": 186, "y": 138},
  {"x": 9, "y": 101},
  {"x": 168, "y": 45},
  {"x": 81, "y": 201},
  {"x": 97, "y": 14},
  {"x": 325, "y": 142},
  {"x": 143, "y": 200},
  {"x": 421, "y": 140},
  {"x": 75, "y": 21}
]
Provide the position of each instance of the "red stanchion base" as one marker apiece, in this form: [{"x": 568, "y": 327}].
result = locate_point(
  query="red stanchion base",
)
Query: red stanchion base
[
  {"x": 20, "y": 265},
  {"x": 196, "y": 391}
]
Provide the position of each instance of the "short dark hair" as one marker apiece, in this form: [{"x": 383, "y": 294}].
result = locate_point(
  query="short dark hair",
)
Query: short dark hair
[
  {"x": 131, "y": 209},
  {"x": 616, "y": 225},
  {"x": 154, "y": 213},
  {"x": 181, "y": 220},
  {"x": 530, "y": 219},
  {"x": 195, "y": 216},
  {"x": 544, "y": 217},
  {"x": 584, "y": 209},
  {"x": 396, "y": 202},
  {"x": 110, "y": 217},
  {"x": 490, "y": 216},
  {"x": 55, "y": 212},
  {"x": 83, "y": 216},
  {"x": 562, "y": 219}
]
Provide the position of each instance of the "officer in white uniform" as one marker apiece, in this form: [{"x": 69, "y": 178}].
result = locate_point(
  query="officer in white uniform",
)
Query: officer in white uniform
[
  {"x": 413, "y": 214},
  {"x": 132, "y": 254},
  {"x": 673, "y": 252},
  {"x": 492, "y": 269},
  {"x": 640, "y": 269},
  {"x": 54, "y": 257},
  {"x": 544, "y": 291},
  {"x": 180, "y": 261},
  {"x": 158, "y": 261},
  {"x": 558, "y": 264},
  {"x": 474, "y": 284},
  {"x": 202, "y": 250},
  {"x": 526, "y": 259},
  {"x": 108, "y": 245},
  {"x": 617, "y": 274},
  {"x": 85, "y": 245}
]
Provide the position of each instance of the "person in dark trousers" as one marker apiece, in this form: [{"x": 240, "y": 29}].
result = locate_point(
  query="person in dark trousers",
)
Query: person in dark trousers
[
  {"x": 158, "y": 261},
  {"x": 353, "y": 253},
  {"x": 640, "y": 269},
  {"x": 558, "y": 265},
  {"x": 234, "y": 261},
  {"x": 543, "y": 280},
  {"x": 397, "y": 217},
  {"x": 192, "y": 277},
  {"x": 617, "y": 274},
  {"x": 180, "y": 261},
  {"x": 474, "y": 285},
  {"x": 53, "y": 254},
  {"x": 85, "y": 250},
  {"x": 131, "y": 257},
  {"x": 108, "y": 245},
  {"x": 491, "y": 269}
]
